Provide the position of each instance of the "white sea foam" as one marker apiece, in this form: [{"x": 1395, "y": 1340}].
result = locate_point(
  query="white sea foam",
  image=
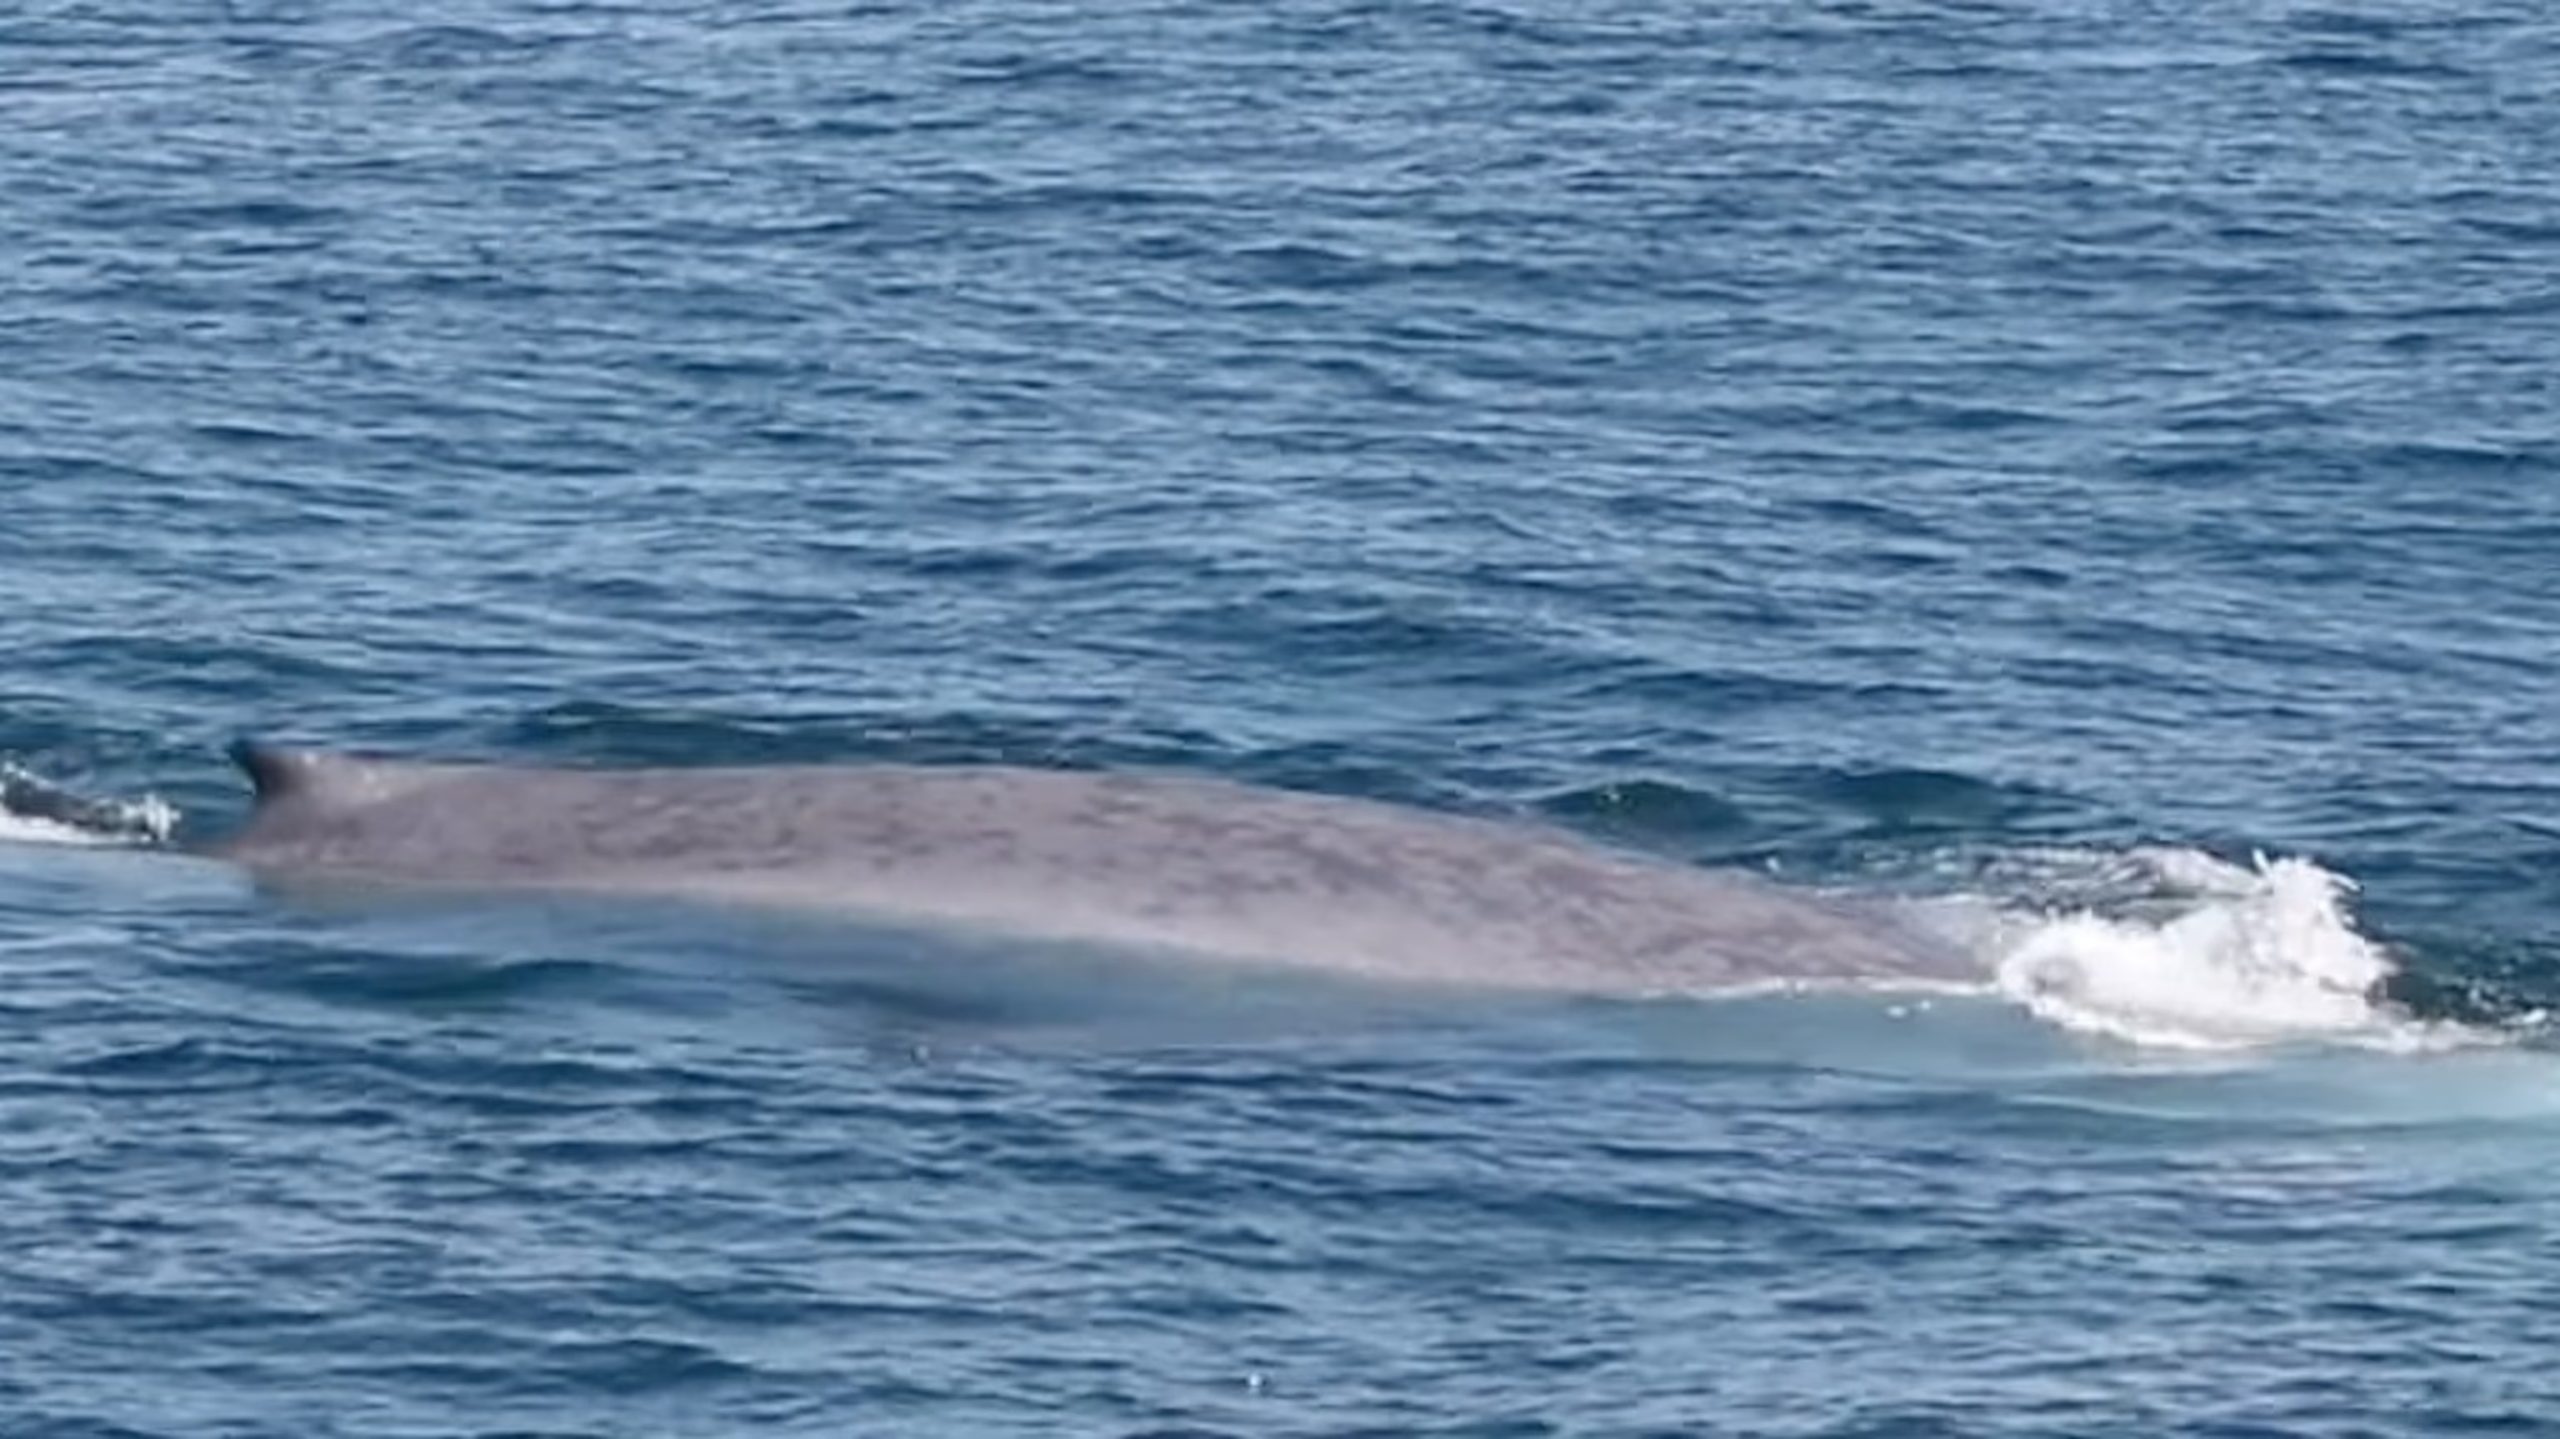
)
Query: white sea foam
[
  {"x": 34, "y": 810},
  {"x": 2176, "y": 948},
  {"x": 24, "y": 829}
]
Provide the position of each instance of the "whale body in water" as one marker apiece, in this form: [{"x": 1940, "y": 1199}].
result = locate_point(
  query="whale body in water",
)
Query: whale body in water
[{"x": 1143, "y": 861}]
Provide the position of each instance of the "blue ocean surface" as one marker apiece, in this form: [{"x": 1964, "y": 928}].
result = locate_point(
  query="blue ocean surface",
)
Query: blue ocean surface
[{"x": 2088, "y": 473}]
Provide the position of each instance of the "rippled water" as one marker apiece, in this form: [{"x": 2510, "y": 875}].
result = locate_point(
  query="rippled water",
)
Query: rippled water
[{"x": 2027, "y": 459}]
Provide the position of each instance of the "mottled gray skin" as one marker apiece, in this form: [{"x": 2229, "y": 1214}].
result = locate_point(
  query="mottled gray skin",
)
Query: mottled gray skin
[{"x": 1150, "y": 862}]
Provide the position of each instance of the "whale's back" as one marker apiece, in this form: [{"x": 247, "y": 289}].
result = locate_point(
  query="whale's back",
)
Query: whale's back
[{"x": 1141, "y": 860}]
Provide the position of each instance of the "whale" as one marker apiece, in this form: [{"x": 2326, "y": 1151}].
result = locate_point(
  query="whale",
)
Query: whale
[{"x": 1152, "y": 863}]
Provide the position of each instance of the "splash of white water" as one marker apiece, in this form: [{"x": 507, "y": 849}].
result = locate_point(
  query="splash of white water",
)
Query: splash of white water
[
  {"x": 35, "y": 810},
  {"x": 2216, "y": 956}
]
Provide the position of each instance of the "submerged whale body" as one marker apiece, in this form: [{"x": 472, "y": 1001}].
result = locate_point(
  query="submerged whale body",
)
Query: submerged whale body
[{"x": 1142, "y": 861}]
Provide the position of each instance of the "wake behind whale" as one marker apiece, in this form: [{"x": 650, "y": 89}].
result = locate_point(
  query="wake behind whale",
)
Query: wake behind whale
[{"x": 1148, "y": 862}]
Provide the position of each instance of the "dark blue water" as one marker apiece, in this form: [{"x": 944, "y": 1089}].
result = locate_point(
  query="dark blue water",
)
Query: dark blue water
[{"x": 2033, "y": 459}]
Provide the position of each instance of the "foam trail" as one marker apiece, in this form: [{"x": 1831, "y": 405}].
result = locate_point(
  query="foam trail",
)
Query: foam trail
[{"x": 35, "y": 810}]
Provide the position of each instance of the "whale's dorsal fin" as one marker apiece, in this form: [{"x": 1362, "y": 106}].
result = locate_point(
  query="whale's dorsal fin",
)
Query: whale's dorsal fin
[{"x": 283, "y": 773}]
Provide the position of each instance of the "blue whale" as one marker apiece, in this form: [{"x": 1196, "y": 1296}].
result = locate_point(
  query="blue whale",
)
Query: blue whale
[{"x": 1148, "y": 862}]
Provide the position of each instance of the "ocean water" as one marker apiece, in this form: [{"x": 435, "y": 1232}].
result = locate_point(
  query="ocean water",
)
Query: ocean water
[{"x": 2087, "y": 472}]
